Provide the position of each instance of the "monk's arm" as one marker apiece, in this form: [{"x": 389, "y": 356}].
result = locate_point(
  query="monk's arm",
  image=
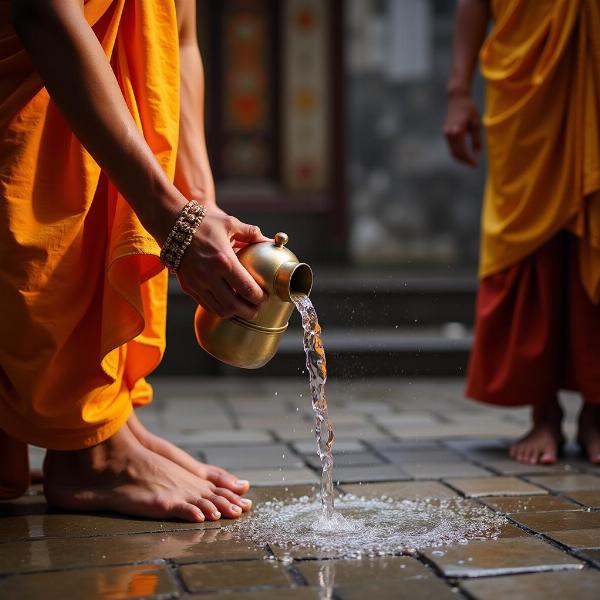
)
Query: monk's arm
[
  {"x": 462, "y": 119},
  {"x": 80, "y": 81},
  {"x": 193, "y": 175}
]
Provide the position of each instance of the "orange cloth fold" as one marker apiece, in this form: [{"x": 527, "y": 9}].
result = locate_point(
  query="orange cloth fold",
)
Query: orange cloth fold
[
  {"x": 541, "y": 63},
  {"x": 83, "y": 291}
]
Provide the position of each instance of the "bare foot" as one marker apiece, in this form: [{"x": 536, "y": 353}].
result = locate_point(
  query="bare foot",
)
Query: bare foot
[
  {"x": 123, "y": 476},
  {"x": 541, "y": 445},
  {"x": 220, "y": 477},
  {"x": 588, "y": 435}
]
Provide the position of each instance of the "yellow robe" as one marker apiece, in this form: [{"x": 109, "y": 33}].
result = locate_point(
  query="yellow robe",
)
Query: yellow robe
[
  {"x": 82, "y": 290},
  {"x": 541, "y": 63}
]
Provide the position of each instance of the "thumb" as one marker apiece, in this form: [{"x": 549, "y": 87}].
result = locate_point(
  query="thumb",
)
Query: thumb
[{"x": 243, "y": 232}]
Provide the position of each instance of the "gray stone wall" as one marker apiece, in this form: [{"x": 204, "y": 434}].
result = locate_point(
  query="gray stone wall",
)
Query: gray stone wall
[{"x": 410, "y": 203}]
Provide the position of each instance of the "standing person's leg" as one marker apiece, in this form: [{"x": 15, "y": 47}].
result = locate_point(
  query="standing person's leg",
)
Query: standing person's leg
[
  {"x": 584, "y": 356},
  {"x": 515, "y": 359}
]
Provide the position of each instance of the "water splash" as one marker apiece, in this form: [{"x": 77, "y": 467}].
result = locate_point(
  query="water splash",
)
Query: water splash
[
  {"x": 369, "y": 527},
  {"x": 317, "y": 373}
]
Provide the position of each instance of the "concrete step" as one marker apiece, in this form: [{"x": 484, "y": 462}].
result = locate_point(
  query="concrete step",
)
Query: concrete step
[{"x": 374, "y": 324}]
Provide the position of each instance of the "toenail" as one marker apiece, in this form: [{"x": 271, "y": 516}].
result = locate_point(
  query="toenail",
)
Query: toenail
[
  {"x": 235, "y": 508},
  {"x": 246, "y": 502},
  {"x": 216, "y": 515},
  {"x": 241, "y": 482}
]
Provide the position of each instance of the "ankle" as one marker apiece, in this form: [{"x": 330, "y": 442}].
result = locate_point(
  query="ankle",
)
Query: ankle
[{"x": 547, "y": 412}]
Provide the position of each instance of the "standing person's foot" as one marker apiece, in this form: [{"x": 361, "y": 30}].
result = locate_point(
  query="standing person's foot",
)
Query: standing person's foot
[
  {"x": 123, "y": 476},
  {"x": 588, "y": 434},
  {"x": 220, "y": 477},
  {"x": 542, "y": 444}
]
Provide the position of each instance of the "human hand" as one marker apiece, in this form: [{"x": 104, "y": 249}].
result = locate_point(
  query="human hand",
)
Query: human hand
[
  {"x": 463, "y": 121},
  {"x": 210, "y": 271}
]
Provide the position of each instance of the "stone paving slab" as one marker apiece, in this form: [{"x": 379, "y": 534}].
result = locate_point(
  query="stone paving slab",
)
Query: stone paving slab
[
  {"x": 131, "y": 581},
  {"x": 537, "y": 586},
  {"x": 578, "y": 538},
  {"x": 519, "y": 504},
  {"x": 494, "y": 486},
  {"x": 499, "y": 557},
  {"x": 558, "y": 521},
  {"x": 234, "y": 575},
  {"x": 399, "y": 439}
]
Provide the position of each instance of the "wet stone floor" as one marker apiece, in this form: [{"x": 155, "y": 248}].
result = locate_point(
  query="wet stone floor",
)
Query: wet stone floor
[{"x": 405, "y": 441}]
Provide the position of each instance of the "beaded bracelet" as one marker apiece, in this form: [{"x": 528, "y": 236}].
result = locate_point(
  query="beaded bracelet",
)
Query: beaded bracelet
[{"x": 181, "y": 235}]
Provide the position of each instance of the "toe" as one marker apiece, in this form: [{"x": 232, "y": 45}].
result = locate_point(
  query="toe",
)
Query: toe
[
  {"x": 223, "y": 479},
  {"x": 209, "y": 510},
  {"x": 243, "y": 503},
  {"x": 227, "y": 508},
  {"x": 548, "y": 457},
  {"x": 186, "y": 512}
]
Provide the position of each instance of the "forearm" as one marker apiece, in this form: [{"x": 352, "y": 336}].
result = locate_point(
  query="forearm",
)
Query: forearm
[
  {"x": 80, "y": 81},
  {"x": 193, "y": 176},
  {"x": 470, "y": 26}
]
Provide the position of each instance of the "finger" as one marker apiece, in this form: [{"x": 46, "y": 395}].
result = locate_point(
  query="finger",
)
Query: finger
[
  {"x": 244, "y": 232},
  {"x": 210, "y": 303},
  {"x": 231, "y": 302},
  {"x": 243, "y": 283},
  {"x": 475, "y": 130}
]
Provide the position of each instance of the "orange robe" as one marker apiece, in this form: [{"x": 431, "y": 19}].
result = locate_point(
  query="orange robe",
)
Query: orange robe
[
  {"x": 541, "y": 63},
  {"x": 83, "y": 292},
  {"x": 537, "y": 323}
]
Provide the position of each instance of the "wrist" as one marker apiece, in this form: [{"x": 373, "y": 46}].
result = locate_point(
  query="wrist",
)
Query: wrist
[
  {"x": 162, "y": 214},
  {"x": 458, "y": 90}
]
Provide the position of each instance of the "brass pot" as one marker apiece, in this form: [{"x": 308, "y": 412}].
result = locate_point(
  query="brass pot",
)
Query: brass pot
[{"x": 252, "y": 344}]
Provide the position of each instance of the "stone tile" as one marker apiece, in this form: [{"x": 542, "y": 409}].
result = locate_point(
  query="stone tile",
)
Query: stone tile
[
  {"x": 406, "y": 419},
  {"x": 253, "y": 457},
  {"x": 62, "y": 553},
  {"x": 537, "y": 586},
  {"x": 567, "y": 483},
  {"x": 517, "y": 504},
  {"x": 402, "y": 490},
  {"x": 230, "y": 437},
  {"x": 410, "y": 588},
  {"x": 350, "y": 572},
  {"x": 494, "y": 486},
  {"x": 349, "y": 432},
  {"x": 443, "y": 470},
  {"x": 280, "y": 492},
  {"x": 349, "y": 459},
  {"x": 309, "y": 446},
  {"x": 118, "y": 583},
  {"x": 590, "y": 498},
  {"x": 260, "y": 477},
  {"x": 234, "y": 576},
  {"x": 483, "y": 428},
  {"x": 25, "y": 505},
  {"x": 592, "y": 555},
  {"x": 296, "y": 593},
  {"x": 499, "y": 557},
  {"x": 372, "y": 473},
  {"x": 394, "y": 446},
  {"x": 559, "y": 520},
  {"x": 577, "y": 538},
  {"x": 368, "y": 407},
  {"x": 81, "y": 525},
  {"x": 404, "y": 457},
  {"x": 510, "y": 467}
]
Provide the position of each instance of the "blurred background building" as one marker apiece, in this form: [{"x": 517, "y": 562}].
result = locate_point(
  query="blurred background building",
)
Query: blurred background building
[{"x": 324, "y": 119}]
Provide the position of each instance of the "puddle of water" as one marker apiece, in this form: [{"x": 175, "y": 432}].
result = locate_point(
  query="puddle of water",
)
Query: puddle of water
[
  {"x": 368, "y": 527},
  {"x": 317, "y": 374}
]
